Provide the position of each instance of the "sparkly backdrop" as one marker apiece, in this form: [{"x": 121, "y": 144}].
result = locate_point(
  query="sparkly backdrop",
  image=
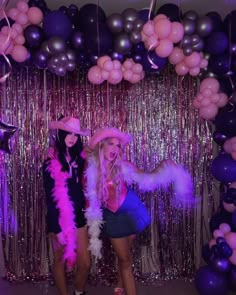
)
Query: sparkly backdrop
[{"x": 158, "y": 112}]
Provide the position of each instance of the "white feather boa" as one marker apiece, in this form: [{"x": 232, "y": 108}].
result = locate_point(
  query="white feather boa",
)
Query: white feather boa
[
  {"x": 183, "y": 191},
  {"x": 67, "y": 236}
]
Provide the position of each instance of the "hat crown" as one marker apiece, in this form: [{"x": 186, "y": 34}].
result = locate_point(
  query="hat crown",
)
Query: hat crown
[{"x": 71, "y": 122}]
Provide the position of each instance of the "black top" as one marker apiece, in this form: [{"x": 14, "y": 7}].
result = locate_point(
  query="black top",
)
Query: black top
[{"x": 75, "y": 193}]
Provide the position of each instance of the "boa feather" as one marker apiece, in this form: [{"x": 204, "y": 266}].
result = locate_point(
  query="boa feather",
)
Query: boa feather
[
  {"x": 183, "y": 191},
  {"x": 67, "y": 236}
]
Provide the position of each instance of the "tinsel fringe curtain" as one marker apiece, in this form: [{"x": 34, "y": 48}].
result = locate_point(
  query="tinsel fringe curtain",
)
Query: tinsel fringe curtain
[{"x": 158, "y": 112}]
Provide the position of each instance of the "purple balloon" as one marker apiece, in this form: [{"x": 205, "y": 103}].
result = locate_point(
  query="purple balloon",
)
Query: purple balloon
[
  {"x": 219, "y": 138},
  {"x": 217, "y": 24},
  {"x": 221, "y": 265},
  {"x": 56, "y": 23},
  {"x": 77, "y": 40},
  {"x": 117, "y": 56},
  {"x": 210, "y": 282},
  {"x": 143, "y": 14},
  {"x": 220, "y": 64},
  {"x": 217, "y": 43},
  {"x": 150, "y": 60},
  {"x": 34, "y": 36},
  {"x": 225, "y": 122},
  {"x": 232, "y": 278},
  {"x": 90, "y": 14},
  {"x": 223, "y": 168},
  {"x": 40, "y": 59}
]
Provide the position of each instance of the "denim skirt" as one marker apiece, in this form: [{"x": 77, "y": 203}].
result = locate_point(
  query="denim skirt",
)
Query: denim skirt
[{"x": 131, "y": 218}]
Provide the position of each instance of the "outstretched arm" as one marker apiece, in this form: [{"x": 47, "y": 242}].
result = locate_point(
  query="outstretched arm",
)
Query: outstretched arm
[{"x": 162, "y": 176}]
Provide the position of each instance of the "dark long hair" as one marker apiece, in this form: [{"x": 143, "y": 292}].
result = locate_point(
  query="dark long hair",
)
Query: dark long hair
[{"x": 74, "y": 151}]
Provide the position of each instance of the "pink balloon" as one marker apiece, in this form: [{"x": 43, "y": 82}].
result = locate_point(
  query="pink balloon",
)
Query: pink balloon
[
  {"x": 232, "y": 258},
  {"x": 194, "y": 71},
  {"x": 5, "y": 30},
  {"x": 196, "y": 103},
  {"x": 137, "y": 68},
  {"x": 17, "y": 27},
  {"x": 233, "y": 184},
  {"x": 128, "y": 64},
  {"x": 105, "y": 74},
  {"x": 94, "y": 75},
  {"x": 212, "y": 243},
  {"x": 205, "y": 102},
  {"x": 102, "y": 59},
  {"x": 152, "y": 42},
  {"x": 193, "y": 60},
  {"x": 135, "y": 79},
  {"x": 116, "y": 64},
  {"x": 181, "y": 69},
  {"x": 231, "y": 239},
  {"x": 165, "y": 48},
  {"x": 159, "y": 16},
  {"x": 115, "y": 77},
  {"x": 223, "y": 100},
  {"x": 19, "y": 53},
  {"x": 214, "y": 97},
  {"x": 4, "y": 42},
  {"x": 206, "y": 92},
  {"x": 203, "y": 63},
  {"x": 20, "y": 40},
  {"x": 35, "y": 15},
  {"x": 9, "y": 48},
  {"x": 163, "y": 28},
  {"x": 148, "y": 28},
  {"x": 127, "y": 74},
  {"x": 13, "y": 33},
  {"x": 22, "y": 18},
  {"x": 177, "y": 32},
  {"x": 227, "y": 146},
  {"x": 229, "y": 207},
  {"x": 218, "y": 233},
  {"x": 233, "y": 155},
  {"x": 12, "y": 13},
  {"x": 108, "y": 65},
  {"x": 225, "y": 228},
  {"x": 210, "y": 83},
  {"x": 208, "y": 112},
  {"x": 22, "y": 6},
  {"x": 176, "y": 56}
]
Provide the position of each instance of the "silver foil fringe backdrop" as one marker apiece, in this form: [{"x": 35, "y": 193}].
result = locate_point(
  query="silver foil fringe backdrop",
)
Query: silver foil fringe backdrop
[{"x": 158, "y": 112}]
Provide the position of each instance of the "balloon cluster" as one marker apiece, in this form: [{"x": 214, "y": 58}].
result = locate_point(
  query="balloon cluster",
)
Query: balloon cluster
[
  {"x": 127, "y": 29},
  {"x": 113, "y": 71},
  {"x": 160, "y": 34},
  {"x": 191, "y": 64},
  {"x": 209, "y": 100},
  {"x": 229, "y": 198},
  {"x": 230, "y": 147},
  {"x": 11, "y": 38}
]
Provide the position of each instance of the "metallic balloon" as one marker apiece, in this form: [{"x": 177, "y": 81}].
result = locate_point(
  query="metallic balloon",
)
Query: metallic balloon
[
  {"x": 128, "y": 26},
  {"x": 115, "y": 23},
  {"x": 130, "y": 14},
  {"x": 187, "y": 50},
  {"x": 40, "y": 59},
  {"x": 135, "y": 37},
  {"x": 71, "y": 55},
  {"x": 199, "y": 46},
  {"x": 77, "y": 40},
  {"x": 204, "y": 26},
  {"x": 7, "y": 140},
  {"x": 138, "y": 24},
  {"x": 122, "y": 43},
  {"x": 56, "y": 45},
  {"x": 189, "y": 26},
  {"x": 191, "y": 14},
  {"x": 221, "y": 265}
]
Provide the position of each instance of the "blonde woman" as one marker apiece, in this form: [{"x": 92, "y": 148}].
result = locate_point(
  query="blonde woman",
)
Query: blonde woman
[{"x": 113, "y": 207}]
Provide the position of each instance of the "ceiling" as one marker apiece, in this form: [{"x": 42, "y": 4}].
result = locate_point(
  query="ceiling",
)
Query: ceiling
[{"x": 223, "y": 7}]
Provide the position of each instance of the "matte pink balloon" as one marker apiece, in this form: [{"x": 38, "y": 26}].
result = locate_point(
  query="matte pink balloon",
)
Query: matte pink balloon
[
  {"x": 233, "y": 155},
  {"x": 162, "y": 28},
  {"x": 94, "y": 75},
  {"x": 115, "y": 77},
  {"x": 165, "y": 48},
  {"x": 137, "y": 68},
  {"x": 231, "y": 239},
  {"x": 127, "y": 75},
  {"x": 152, "y": 42},
  {"x": 223, "y": 100},
  {"x": 4, "y": 42},
  {"x": 177, "y": 32},
  {"x": 35, "y": 15},
  {"x": 5, "y": 30},
  {"x": 108, "y": 65},
  {"x": 207, "y": 92},
  {"x": 9, "y": 48},
  {"x": 218, "y": 233},
  {"x": 116, "y": 65},
  {"x": 227, "y": 146},
  {"x": 203, "y": 63},
  {"x": 22, "y": 6},
  {"x": 181, "y": 69},
  {"x": 215, "y": 97},
  {"x": 212, "y": 243},
  {"x": 194, "y": 71},
  {"x": 210, "y": 83},
  {"x": 19, "y": 53},
  {"x": 232, "y": 258},
  {"x": 105, "y": 74},
  {"x": 229, "y": 207},
  {"x": 20, "y": 40},
  {"x": 205, "y": 102},
  {"x": 22, "y": 19},
  {"x": 148, "y": 28},
  {"x": 208, "y": 112},
  {"x": 225, "y": 228},
  {"x": 233, "y": 184},
  {"x": 128, "y": 64},
  {"x": 17, "y": 27},
  {"x": 196, "y": 103},
  {"x": 176, "y": 56},
  {"x": 135, "y": 79},
  {"x": 102, "y": 59},
  {"x": 12, "y": 13},
  {"x": 159, "y": 16},
  {"x": 193, "y": 60}
]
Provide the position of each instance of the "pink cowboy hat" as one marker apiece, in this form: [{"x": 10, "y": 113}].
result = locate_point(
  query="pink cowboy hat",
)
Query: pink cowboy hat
[
  {"x": 69, "y": 124},
  {"x": 103, "y": 133}
]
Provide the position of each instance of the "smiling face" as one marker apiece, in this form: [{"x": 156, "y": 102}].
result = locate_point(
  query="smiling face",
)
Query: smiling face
[
  {"x": 111, "y": 148},
  {"x": 71, "y": 139}
]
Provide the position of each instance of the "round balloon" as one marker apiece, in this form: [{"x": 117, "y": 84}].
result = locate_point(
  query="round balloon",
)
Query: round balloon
[{"x": 223, "y": 168}]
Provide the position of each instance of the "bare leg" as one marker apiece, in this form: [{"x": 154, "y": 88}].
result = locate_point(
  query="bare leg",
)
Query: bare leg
[
  {"x": 122, "y": 249},
  {"x": 83, "y": 259},
  {"x": 58, "y": 267},
  {"x": 119, "y": 278}
]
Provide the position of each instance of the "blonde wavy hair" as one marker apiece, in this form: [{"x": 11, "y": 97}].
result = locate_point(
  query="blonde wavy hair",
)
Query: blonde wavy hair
[{"x": 104, "y": 176}]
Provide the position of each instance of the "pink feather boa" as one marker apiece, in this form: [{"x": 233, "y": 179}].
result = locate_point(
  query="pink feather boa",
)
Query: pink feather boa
[{"x": 67, "y": 236}]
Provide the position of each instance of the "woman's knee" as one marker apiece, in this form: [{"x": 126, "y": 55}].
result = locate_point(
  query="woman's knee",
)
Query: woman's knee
[{"x": 125, "y": 261}]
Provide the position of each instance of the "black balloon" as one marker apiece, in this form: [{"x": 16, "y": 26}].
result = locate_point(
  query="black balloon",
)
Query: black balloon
[
  {"x": 217, "y": 24},
  {"x": 90, "y": 14},
  {"x": 6, "y": 137},
  {"x": 172, "y": 11}
]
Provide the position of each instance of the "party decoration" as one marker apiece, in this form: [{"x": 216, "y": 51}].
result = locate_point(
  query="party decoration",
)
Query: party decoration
[
  {"x": 7, "y": 137},
  {"x": 223, "y": 168}
]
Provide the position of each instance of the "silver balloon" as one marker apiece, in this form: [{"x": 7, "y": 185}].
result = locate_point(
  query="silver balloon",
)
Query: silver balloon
[
  {"x": 122, "y": 43},
  {"x": 191, "y": 14},
  {"x": 56, "y": 45},
  {"x": 187, "y": 50},
  {"x": 45, "y": 49},
  {"x": 138, "y": 24},
  {"x": 128, "y": 26},
  {"x": 129, "y": 14},
  {"x": 195, "y": 39},
  {"x": 204, "y": 26},
  {"x": 199, "y": 46},
  {"x": 115, "y": 23},
  {"x": 70, "y": 66},
  {"x": 189, "y": 26},
  {"x": 71, "y": 55},
  {"x": 60, "y": 71},
  {"x": 186, "y": 41},
  {"x": 135, "y": 37}
]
